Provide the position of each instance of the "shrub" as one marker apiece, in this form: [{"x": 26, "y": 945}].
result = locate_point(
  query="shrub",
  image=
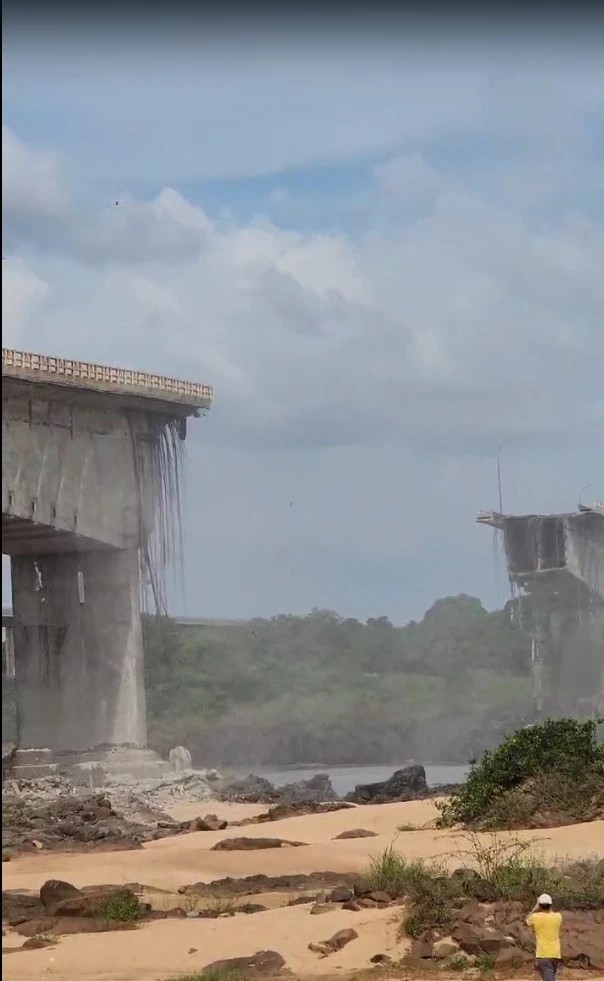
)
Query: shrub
[
  {"x": 562, "y": 751},
  {"x": 504, "y": 866},
  {"x": 485, "y": 963},
  {"x": 122, "y": 906},
  {"x": 211, "y": 974},
  {"x": 399, "y": 876}
]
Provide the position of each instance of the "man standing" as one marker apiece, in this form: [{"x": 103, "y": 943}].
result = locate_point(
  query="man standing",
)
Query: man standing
[{"x": 547, "y": 926}]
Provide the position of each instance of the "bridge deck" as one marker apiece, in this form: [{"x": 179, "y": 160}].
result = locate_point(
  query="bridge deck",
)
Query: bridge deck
[{"x": 83, "y": 376}]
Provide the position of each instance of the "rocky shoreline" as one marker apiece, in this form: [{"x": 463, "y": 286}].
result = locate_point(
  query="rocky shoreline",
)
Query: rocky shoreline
[{"x": 54, "y": 814}]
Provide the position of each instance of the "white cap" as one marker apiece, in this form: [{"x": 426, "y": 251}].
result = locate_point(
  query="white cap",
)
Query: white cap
[{"x": 544, "y": 900}]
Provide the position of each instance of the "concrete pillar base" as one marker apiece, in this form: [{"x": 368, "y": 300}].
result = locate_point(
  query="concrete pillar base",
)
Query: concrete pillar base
[{"x": 78, "y": 650}]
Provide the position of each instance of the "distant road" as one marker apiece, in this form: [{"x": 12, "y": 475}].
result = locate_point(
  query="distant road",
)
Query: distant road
[{"x": 7, "y": 618}]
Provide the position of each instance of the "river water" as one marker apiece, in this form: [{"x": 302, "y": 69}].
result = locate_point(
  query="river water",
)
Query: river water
[{"x": 345, "y": 778}]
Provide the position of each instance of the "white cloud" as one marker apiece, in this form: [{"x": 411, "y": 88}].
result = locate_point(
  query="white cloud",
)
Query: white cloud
[
  {"x": 410, "y": 177},
  {"x": 435, "y": 333},
  {"x": 30, "y": 178},
  {"x": 364, "y": 378},
  {"x": 23, "y": 295}
]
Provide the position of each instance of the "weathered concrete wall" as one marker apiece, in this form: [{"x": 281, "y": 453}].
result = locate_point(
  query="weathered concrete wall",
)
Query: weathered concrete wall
[
  {"x": 90, "y": 468},
  {"x": 79, "y": 652},
  {"x": 576, "y": 656},
  {"x": 558, "y": 560},
  {"x": 584, "y": 540},
  {"x": 71, "y": 468}
]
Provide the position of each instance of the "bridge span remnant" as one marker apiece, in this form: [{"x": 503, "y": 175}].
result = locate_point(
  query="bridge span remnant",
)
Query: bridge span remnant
[
  {"x": 90, "y": 479},
  {"x": 556, "y": 569}
]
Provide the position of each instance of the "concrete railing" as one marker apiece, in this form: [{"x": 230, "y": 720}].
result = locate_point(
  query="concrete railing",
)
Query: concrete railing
[{"x": 86, "y": 374}]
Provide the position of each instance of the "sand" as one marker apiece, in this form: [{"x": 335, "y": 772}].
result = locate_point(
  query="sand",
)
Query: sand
[{"x": 160, "y": 950}]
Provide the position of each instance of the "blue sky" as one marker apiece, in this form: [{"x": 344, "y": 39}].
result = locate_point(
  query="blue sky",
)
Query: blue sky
[{"x": 385, "y": 254}]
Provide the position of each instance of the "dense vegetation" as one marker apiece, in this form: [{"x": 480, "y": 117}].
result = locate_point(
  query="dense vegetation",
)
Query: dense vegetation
[
  {"x": 496, "y": 870},
  {"x": 554, "y": 768},
  {"x": 321, "y": 688}
]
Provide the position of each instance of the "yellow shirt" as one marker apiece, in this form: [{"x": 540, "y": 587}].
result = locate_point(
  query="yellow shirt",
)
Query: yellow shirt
[{"x": 547, "y": 933}]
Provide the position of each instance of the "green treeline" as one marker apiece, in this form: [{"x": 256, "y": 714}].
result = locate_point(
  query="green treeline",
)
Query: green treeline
[{"x": 322, "y": 688}]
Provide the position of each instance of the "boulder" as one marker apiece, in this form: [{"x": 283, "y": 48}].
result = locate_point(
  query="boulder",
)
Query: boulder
[
  {"x": 443, "y": 949},
  {"x": 405, "y": 784},
  {"x": 55, "y": 891},
  {"x": 478, "y": 939},
  {"x": 341, "y": 894},
  {"x": 36, "y": 943},
  {"x": 296, "y": 808},
  {"x": 421, "y": 949},
  {"x": 253, "y": 844},
  {"x": 355, "y": 833},
  {"x": 326, "y": 947},
  {"x": 208, "y": 823},
  {"x": 250, "y": 790},
  {"x": 263, "y": 962},
  {"x": 317, "y": 788}
]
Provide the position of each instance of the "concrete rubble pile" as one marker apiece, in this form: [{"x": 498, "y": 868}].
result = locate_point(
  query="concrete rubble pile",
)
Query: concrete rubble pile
[{"x": 53, "y": 812}]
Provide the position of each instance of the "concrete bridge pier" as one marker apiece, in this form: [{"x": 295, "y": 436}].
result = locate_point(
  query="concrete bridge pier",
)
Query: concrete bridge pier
[
  {"x": 78, "y": 649},
  {"x": 90, "y": 472}
]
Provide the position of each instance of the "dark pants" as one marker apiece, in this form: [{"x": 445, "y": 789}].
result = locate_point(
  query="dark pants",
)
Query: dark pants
[{"x": 547, "y": 967}]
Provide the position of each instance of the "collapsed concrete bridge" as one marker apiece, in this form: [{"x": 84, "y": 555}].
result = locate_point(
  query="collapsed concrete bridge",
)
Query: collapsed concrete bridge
[
  {"x": 90, "y": 481},
  {"x": 556, "y": 569}
]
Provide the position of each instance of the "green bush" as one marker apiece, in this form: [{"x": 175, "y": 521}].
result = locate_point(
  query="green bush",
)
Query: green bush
[
  {"x": 558, "y": 750},
  {"x": 121, "y": 906},
  {"x": 211, "y": 974},
  {"x": 503, "y": 868},
  {"x": 392, "y": 872}
]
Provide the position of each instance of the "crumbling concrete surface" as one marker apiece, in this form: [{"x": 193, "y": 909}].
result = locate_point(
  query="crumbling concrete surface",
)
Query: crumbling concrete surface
[
  {"x": 556, "y": 568},
  {"x": 54, "y": 813}
]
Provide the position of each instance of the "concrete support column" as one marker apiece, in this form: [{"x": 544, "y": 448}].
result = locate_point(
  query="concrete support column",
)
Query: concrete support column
[
  {"x": 9, "y": 653},
  {"x": 78, "y": 650},
  {"x": 578, "y": 677}
]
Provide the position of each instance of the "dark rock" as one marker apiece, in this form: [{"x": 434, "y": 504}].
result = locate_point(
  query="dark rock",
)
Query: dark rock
[
  {"x": 509, "y": 957},
  {"x": 65, "y": 925},
  {"x": 208, "y": 823},
  {"x": 379, "y": 896},
  {"x": 72, "y": 823},
  {"x": 251, "y": 908},
  {"x": 55, "y": 891},
  {"x": 421, "y": 950},
  {"x": 353, "y": 905},
  {"x": 476, "y": 940},
  {"x": 263, "y": 962},
  {"x": 341, "y": 894},
  {"x": 317, "y": 788},
  {"x": 258, "y": 790},
  {"x": 355, "y": 833},
  {"x": 406, "y": 784},
  {"x": 318, "y": 908},
  {"x": 253, "y": 844},
  {"x": 296, "y": 808},
  {"x": 339, "y": 940},
  {"x": 381, "y": 959},
  {"x": 250, "y": 790},
  {"x": 252, "y": 884},
  {"x": 36, "y": 943},
  {"x": 443, "y": 949}
]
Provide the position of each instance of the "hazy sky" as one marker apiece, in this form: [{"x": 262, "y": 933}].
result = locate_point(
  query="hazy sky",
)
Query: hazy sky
[{"x": 386, "y": 253}]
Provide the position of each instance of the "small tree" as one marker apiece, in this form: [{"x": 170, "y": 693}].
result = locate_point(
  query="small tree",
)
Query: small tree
[{"x": 558, "y": 746}]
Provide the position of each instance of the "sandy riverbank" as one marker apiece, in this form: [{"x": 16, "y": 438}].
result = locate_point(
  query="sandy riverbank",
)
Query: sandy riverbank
[{"x": 161, "y": 949}]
